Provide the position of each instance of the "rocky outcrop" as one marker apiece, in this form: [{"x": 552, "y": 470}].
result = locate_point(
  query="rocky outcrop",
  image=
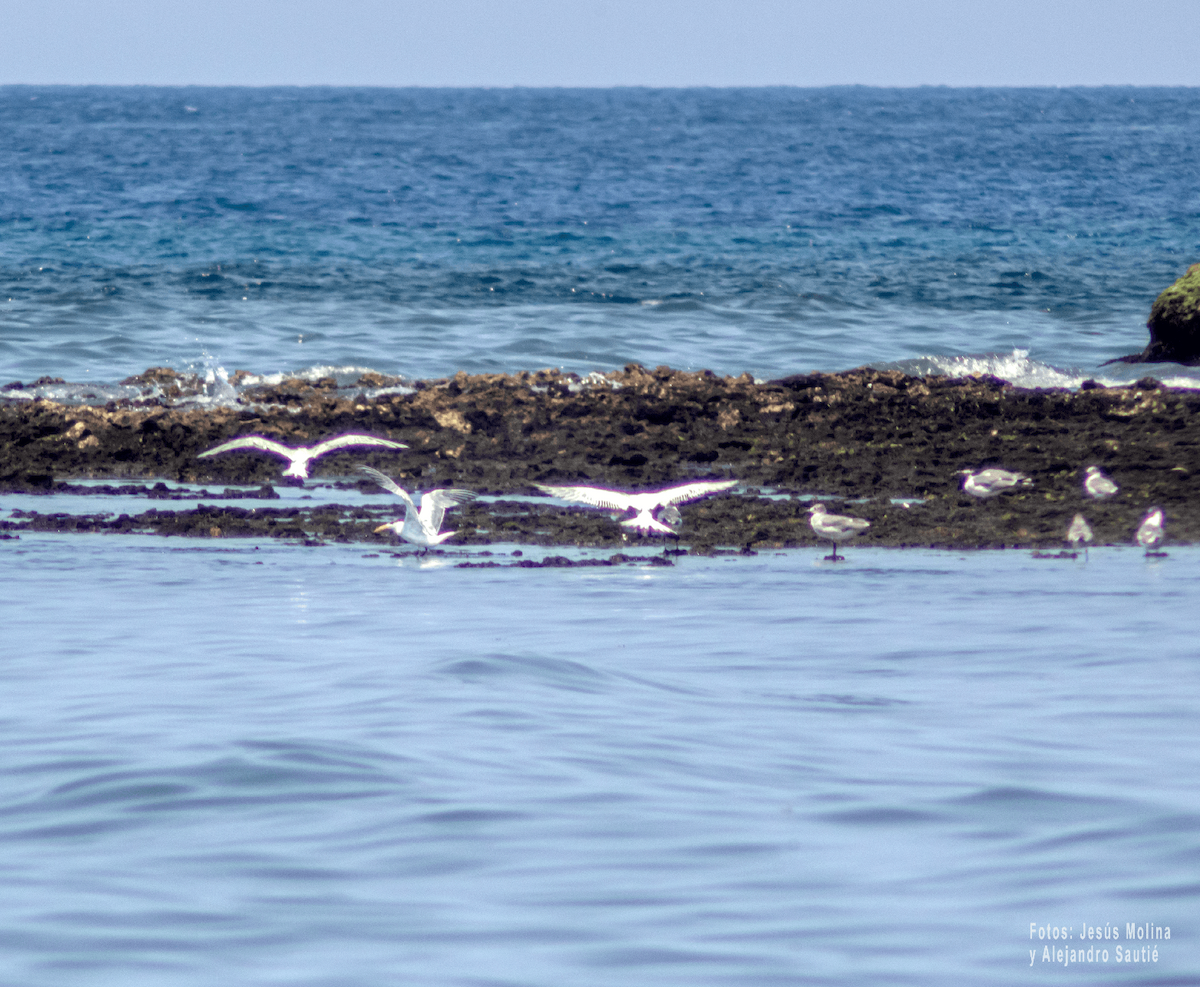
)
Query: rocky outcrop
[
  {"x": 880, "y": 436},
  {"x": 1174, "y": 324}
]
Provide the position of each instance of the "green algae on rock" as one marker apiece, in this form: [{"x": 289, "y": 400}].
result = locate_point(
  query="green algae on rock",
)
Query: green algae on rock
[{"x": 1174, "y": 324}]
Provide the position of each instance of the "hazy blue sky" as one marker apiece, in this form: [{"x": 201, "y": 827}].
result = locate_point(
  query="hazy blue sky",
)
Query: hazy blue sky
[{"x": 601, "y": 42}]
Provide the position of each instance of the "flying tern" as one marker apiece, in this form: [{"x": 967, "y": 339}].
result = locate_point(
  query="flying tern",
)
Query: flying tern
[
  {"x": 300, "y": 457},
  {"x": 655, "y": 509},
  {"x": 420, "y": 527}
]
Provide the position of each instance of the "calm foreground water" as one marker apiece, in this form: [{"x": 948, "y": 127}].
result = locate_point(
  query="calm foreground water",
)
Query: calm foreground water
[{"x": 269, "y": 764}]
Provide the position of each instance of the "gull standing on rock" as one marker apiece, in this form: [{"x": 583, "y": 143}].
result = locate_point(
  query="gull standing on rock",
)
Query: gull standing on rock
[
  {"x": 644, "y": 503},
  {"x": 835, "y": 527},
  {"x": 300, "y": 456},
  {"x": 1079, "y": 531},
  {"x": 989, "y": 482},
  {"x": 420, "y": 527},
  {"x": 1098, "y": 486},
  {"x": 1151, "y": 531}
]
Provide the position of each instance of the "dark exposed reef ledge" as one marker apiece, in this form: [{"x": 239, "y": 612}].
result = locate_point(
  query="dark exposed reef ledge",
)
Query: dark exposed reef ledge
[{"x": 881, "y": 436}]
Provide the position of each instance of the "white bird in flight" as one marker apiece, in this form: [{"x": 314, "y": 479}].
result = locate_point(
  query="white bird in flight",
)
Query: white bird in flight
[
  {"x": 644, "y": 503},
  {"x": 835, "y": 527},
  {"x": 420, "y": 527},
  {"x": 989, "y": 482},
  {"x": 1151, "y": 531},
  {"x": 1079, "y": 531},
  {"x": 1098, "y": 486},
  {"x": 300, "y": 456}
]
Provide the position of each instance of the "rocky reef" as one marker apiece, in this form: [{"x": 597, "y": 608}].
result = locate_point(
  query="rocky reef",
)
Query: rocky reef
[
  {"x": 887, "y": 443},
  {"x": 1174, "y": 324}
]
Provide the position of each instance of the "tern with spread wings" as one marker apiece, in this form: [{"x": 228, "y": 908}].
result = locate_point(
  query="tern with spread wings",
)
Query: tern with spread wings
[
  {"x": 300, "y": 457},
  {"x": 646, "y": 504},
  {"x": 424, "y": 526}
]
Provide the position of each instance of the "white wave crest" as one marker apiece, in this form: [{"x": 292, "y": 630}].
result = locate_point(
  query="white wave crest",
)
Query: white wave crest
[
  {"x": 345, "y": 376},
  {"x": 218, "y": 392},
  {"x": 1021, "y": 371}
]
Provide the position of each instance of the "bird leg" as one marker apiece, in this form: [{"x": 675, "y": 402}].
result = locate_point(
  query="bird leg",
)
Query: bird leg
[{"x": 835, "y": 557}]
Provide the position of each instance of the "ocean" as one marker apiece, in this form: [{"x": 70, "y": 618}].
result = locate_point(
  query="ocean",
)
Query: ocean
[
  {"x": 255, "y": 762},
  {"x": 422, "y": 232}
]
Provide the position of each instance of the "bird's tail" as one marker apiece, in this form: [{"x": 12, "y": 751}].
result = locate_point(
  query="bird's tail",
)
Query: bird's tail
[{"x": 651, "y": 524}]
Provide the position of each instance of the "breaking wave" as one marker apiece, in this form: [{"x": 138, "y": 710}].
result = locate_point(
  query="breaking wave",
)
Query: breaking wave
[{"x": 1020, "y": 370}]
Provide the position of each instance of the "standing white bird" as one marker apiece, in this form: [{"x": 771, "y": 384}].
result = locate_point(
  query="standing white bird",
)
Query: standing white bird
[
  {"x": 1098, "y": 486},
  {"x": 989, "y": 482},
  {"x": 835, "y": 527},
  {"x": 644, "y": 503},
  {"x": 420, "y": 527},
  {"x": 1079, "y": 531},
  {"x": 1151, "y": 531},
  {"x": 300, "y": 456}
]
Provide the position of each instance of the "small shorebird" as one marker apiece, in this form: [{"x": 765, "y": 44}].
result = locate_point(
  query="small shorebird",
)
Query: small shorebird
[
  {"x": 300, "y": 456},
  {"x": 835, "y": 527},
  {"x": 989, "y": 482},
  {"x": 1079, "y": 531},
  {"x": 1151, "y": 531},
  {"x": 420, "y": 527},
  {"x": 1098, "y": 486},
  {"x": 644, "y": 503}
]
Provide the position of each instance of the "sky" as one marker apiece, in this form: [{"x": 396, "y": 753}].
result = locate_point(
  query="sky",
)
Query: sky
[{"x": 600, "y": 42}]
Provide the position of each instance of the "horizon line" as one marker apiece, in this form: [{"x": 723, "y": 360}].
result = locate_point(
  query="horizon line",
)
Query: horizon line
[{"x": 597, "y": 86}]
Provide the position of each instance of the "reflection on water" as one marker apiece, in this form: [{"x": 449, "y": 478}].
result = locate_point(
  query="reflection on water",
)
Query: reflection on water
[{"x": 299, "y": 603}]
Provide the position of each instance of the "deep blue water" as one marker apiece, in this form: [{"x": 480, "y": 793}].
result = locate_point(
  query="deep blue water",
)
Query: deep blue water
[{"x": 426, "y": 231}]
